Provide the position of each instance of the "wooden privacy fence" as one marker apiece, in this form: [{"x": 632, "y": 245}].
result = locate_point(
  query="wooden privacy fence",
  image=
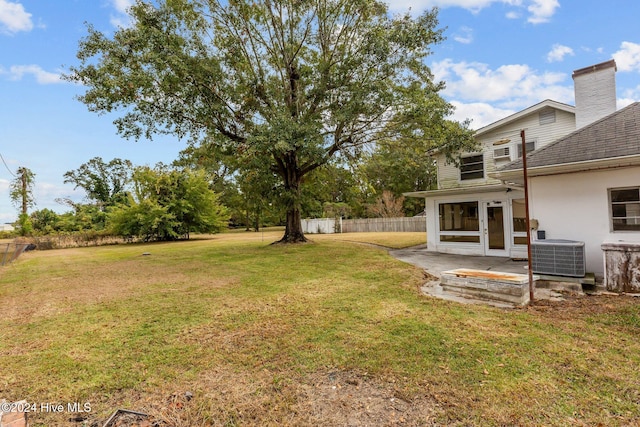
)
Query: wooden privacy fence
[{"x": 364, "y": 225}]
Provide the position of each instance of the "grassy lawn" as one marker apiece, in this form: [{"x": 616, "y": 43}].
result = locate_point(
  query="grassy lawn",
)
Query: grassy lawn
[{"x": 326, "y": 333}]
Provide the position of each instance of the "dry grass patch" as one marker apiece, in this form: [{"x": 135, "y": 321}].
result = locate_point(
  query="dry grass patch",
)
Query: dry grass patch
[
  {"x": 261, "y": 334},
  {"x": 57, "y": 282},
  {"x": 389, "y": 240}
]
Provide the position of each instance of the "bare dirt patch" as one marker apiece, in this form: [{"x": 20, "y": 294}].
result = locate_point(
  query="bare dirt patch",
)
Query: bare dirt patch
[
  {"x": 338, "y": 398},
  {"x": 577, "y": 305},
  {"x": 225, "y": 396}
]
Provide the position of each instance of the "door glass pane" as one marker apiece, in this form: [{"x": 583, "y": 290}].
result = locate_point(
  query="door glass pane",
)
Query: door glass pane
[
  {"x": 520, "y": 240},
  {"x": 519, "y": 215},
  {"x": 495, "y": 223}
]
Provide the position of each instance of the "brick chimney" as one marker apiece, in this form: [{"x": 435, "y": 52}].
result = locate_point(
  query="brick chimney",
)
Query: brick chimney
[{"x": 595, "y": 92}]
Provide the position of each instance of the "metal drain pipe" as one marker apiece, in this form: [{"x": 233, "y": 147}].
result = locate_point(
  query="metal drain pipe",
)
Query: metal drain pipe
[{"x": 526, "y": 208}]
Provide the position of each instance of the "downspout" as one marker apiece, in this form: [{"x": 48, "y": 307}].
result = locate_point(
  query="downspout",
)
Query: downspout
[{"x": 526, "y": 208}]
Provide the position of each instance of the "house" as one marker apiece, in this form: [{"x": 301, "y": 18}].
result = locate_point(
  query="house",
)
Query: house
[
  {"x": 6, "y": 227},
  {"x": 586, "y": 185},
  {"x": 474, "y": 211}
]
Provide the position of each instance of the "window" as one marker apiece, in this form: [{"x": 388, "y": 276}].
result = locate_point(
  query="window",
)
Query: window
[
  {"x": 625, "y": 209},
  {"x": 547, "y": 116},
  {"x": 472, "y": 167},
  {"x": 519, "y": 231},
  {"x": 459, "y": 222},
  {"x": 531, "y": 145}
]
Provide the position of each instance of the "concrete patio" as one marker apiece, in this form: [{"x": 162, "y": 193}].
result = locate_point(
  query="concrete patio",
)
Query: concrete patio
[{"x": 435, "y": 263}]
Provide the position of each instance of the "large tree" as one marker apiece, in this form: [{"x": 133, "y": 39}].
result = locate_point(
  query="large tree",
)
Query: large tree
[
  {"x": 104, "y": 183},
  {"x": 288, "y": 83},
  {"x": 21, "y": 194},
  {"x": 168, "y": 204}
]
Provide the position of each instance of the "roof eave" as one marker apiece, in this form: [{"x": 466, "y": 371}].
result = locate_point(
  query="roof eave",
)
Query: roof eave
[
  {"x": 530, "y": 110},
  {"x": 613, "y": 162},
  {"x": 457, "y": 190}
]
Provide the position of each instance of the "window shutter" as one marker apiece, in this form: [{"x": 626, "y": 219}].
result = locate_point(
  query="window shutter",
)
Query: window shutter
[{"x": 546, "y": 117}]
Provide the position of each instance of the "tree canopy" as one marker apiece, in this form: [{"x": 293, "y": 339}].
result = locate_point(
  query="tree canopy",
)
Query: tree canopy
[
  {"x": 104, "y": 183},
  {"x": 21, "y": 189},
  {"x": 286, "y": 84},
  {"x": 168, "y": 204},
  {"x": 21, "y": 194}
]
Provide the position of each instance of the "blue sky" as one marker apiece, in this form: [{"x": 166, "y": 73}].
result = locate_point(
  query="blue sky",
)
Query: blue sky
[{"x": 500, "y": 56}]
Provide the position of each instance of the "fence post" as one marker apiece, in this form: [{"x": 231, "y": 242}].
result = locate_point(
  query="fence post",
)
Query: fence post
[{"x": 4, "y": 256}]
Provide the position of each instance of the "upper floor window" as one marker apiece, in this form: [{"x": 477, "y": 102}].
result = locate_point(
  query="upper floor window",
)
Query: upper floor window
[
  {"x": 625, "y": 209},
  {"x": 531, "y": 145},
  {"x": 547, "y": 116},
  {"x": 472, "y": 167}
]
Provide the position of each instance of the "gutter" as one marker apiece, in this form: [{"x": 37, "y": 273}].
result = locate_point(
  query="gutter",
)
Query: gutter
[
  {"x": 458, "y": 190},
  {"x": 582, "y": 166}
]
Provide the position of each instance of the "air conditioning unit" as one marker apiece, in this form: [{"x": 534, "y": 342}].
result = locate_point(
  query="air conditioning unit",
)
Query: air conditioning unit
[
  {"x": 558, "y": 257},
  {"x": 501, "y": 153}
]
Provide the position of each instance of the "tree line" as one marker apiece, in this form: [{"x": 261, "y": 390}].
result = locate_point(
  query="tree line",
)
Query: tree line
[
  {"x": 141, "y": 202},
  {"x": 202, "y": 194}
]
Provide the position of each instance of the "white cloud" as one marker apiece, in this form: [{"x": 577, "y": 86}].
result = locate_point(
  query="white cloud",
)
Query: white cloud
[
  {"x": 14, "y": 18},
  {"x": 45, "y": 195},
  {"x": 16, "y": 72},
  {"x": 464, "y": 36},
  {"x": 9, "y": 215},
  {"x": 629, "y": 96},
  {"x": 513, "y": 86},
  {"x": 542, "y": 10},
  {"x": 623, "y": 102},
  {"x": 121, "y": 18},
  {"x": 558, "y": 52},
  {"x": 122, "y": 5},
  {"x": 628, "y": 57},
  {"x": 7, "y": 218},
  {"x": 419, "y": 5},
  {"x": 480, "y": 113}
]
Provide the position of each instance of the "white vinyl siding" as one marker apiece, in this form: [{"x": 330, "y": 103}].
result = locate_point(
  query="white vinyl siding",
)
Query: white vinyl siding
[{"x": 449, "y": 174}]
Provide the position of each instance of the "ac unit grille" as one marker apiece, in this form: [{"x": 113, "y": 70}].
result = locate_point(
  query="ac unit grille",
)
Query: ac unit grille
[
  {"x": 501, "y": 153},
  {"x": 558, "y": 257}
]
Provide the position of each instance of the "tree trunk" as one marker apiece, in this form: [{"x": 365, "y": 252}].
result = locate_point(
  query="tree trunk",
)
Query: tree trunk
[
  {"x": 247, "y": 219},
  {"x": 293, "y": 232},
  {"x": 256, "y": 222},
  {"x": 25, "y": 192},
  {"x": 292, "y": 181}
]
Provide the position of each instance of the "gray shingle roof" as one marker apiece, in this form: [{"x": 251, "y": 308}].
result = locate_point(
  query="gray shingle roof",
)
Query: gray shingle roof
[{"x": 616, "y": 135}]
